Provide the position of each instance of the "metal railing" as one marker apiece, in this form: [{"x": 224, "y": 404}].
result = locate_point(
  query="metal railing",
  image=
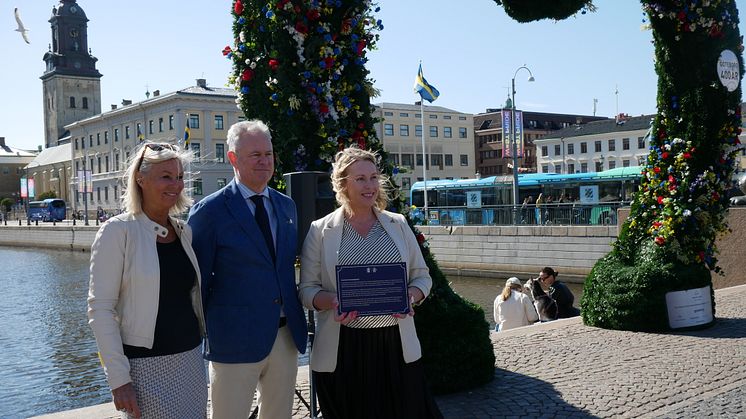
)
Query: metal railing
[{"x": 602, "y": 213}]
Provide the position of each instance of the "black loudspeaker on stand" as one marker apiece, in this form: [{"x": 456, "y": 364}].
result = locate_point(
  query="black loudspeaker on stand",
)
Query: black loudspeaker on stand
[{"x": 314, "y": 198}]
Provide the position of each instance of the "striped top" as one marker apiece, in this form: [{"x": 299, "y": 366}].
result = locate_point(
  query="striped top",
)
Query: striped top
[{"x": 376, "y": 247}]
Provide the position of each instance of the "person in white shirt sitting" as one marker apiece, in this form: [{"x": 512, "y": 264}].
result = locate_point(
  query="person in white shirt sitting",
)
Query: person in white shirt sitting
[{"x": 513, "y": 308}]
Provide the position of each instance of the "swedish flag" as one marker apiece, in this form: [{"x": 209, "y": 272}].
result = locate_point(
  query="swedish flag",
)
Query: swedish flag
[
  {"x": 426, "y": 90},
  {"x": 140, "y": 136},
  {"x": 187, "y": 133}
]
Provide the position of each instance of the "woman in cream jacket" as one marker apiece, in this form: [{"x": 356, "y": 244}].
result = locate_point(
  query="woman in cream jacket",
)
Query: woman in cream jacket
[{"x": 364, "y": 367}]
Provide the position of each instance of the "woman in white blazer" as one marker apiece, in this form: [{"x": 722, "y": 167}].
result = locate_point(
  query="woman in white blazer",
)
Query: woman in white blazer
[
  {"x": 364, "y": 366},
  {"x": 144, "y": 299}
]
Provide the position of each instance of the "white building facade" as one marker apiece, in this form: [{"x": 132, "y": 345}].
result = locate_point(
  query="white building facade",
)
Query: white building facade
[
  {"x": 104, "y": 143},
  {"x": 595, "y": 146},
  {"x": 449, "y": 142}
]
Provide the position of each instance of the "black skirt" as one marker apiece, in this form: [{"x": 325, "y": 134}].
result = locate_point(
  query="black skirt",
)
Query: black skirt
[{"x": 373, "y": 381}]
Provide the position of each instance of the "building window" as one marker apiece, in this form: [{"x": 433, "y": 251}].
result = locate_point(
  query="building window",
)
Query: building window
[
  {"x": 418, "y": 158},
  {"x": 544, "y": 151},
  {"x": 462, "y": 132},
  {"x": 418, "y": 131},
  {"x": 197, "y": 186},
  {"x": 106, "y": 137},
  {"x": 462, "y": 118},
  {"x": 599, "y": 166},
  {"x": 446, "y": 116},
  {"x": 640, "y": 142},
  {"x": 394, "y": 158},
  {"x": 625, "y": 163},
  {"x": 194, "y": 121},
  {"x": 219, "y": 122},
  {"x": 72, "y": 101},
  {"x": 195, "y": 151},
  {"x": 222, "y": 182},
  {"x": 597, "y": 145},
  {"x": 557, "y": 150},
  {"x": 464, "y": 159},
  {"x": 436, "y": 160},
  {"x": 388, "y": 114},
  {"x": 404, "y": 130},
  {"x": 612, "y": 145},
  {"x": 116, "y": 167},
  {"x": 106, "y": 193},
  {"x": 544, "y": 168},
  {"x": 116, "y": 134},
  {"x": 220, "y": 153},
  {"x": 85, "y": 103},
  {"x": 388, "y": 129},
  {"x": 406, "y": 183},
  {"x": 433, "y": 116},
  {"x": 570, "y": 168},
  {"x": 98, "y": 139},
  {"x": 433, "y": 131},
  {"x": 583, "y": 167},
  {"x": 447, "y": 132},
  {"x": 150, "y": 126},
  {"x": 116, "y": 192},
  {"x": 139, "y": 130},
  {"x": 583, "y": 148},
  {"x": 612, "y": 164},
  {"x": 407, "y": 160},
  {"x": 625, "y": 143},
  {"x": 403, "y": 114},
  {"x": 449, "y": 159},
  {"x": 170, "y": 122},
  {"x": 98, "y": 194},
  {"x": 571, "y": 148},
  {"x": 160, "y": 124},
  {"x": 557, "y": 168},
  {"x": 76, "y": 143},
  {"x": 98, "y": 159},
  {"x": 106, "y": 163}
]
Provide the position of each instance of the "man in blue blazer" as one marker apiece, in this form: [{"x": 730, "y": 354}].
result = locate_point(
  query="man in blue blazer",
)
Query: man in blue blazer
[{"x": 245, "y": 238}]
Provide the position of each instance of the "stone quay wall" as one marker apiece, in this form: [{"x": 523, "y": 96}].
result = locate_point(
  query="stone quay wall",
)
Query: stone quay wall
[{"x": 60, "y": 236}]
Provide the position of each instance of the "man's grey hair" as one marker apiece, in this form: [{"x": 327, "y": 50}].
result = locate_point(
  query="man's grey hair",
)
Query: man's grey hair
[{"x": 240, "y": 130}]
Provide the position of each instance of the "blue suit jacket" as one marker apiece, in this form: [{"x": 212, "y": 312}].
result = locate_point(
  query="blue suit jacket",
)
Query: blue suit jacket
[{"x": 242, "y": 289}]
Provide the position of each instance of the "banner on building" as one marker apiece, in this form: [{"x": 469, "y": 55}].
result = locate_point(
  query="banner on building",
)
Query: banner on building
[{"x": 24, "y": 188}]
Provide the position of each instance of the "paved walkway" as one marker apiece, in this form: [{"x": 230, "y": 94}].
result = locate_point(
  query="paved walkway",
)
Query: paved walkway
[{"x": 565, "y": 369}]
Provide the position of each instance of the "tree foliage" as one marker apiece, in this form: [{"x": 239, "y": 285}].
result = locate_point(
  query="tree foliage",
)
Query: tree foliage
[
  {"x": 668, "y": 242},
  {"x": 47, "y": 195}
]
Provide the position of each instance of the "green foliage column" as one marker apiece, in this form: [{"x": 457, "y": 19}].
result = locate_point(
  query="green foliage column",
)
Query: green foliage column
[
  {"x": 300, "y": 67},
  {"x": 668, "y": 242}
]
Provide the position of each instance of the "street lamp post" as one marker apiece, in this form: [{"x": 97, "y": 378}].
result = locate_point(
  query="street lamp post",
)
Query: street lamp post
[{"x": 514, "y": 141}]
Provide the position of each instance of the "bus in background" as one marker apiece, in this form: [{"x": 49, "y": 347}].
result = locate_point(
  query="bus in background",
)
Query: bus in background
[{"x": 46, "y": 210}]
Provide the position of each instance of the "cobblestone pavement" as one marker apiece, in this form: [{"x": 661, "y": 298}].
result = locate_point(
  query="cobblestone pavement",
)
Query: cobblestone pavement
[{"x": 564, "y": 369}]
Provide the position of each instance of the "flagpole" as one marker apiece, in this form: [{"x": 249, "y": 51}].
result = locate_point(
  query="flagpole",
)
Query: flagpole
[{"x": 424, "y": 156}]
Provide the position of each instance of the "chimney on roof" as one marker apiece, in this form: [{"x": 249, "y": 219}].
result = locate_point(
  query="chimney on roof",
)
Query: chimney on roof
[
  {"x": 202, "y": 83},
  {"x": 126, "y": 102},
  {"x": 2, "y": 141},
  {"x": 418, "y": 103},
  {"x": 156, "y": 93},
  {"x": 578, "y": 120},
  {"x": 113, "y": 107}
]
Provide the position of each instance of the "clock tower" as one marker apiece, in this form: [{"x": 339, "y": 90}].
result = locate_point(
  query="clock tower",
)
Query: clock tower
[{"x": 71, "y": 82}]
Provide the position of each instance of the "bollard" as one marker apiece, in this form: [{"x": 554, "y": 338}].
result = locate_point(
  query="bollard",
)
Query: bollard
[
  {"x": 73, "y": 221},
  {"x": 28, "y": 222},
  {"x": 19, "y": 221},
  {"x": 36, "y": 222},
  {"x": 54, "y": 222}
]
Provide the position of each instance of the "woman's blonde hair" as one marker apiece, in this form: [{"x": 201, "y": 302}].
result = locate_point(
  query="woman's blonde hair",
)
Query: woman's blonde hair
[
  {"x": 342, "y": 161},
  {"x": 509, "y": 290},
  {"x": 142, "y": 161}
]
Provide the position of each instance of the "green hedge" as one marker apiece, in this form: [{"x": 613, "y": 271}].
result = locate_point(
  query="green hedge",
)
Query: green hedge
[{"x": 455, "y": 337}]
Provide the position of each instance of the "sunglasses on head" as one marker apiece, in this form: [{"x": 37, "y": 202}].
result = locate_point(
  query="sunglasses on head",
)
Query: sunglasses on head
[{"x": 161, "y": 146}]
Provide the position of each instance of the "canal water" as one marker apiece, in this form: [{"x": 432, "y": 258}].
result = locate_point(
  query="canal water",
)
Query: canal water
[{"x": 49, "y": 360}]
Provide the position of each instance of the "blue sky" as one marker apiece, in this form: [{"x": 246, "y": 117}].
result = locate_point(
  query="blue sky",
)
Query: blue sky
[{"x": 470, "y": 51}]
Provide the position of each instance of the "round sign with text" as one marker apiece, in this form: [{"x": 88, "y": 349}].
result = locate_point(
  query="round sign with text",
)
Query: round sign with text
[{"x": 728, "y": 70}]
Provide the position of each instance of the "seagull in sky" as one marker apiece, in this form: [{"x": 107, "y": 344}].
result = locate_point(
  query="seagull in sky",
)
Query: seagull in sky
[{"x": 22, "y": 29}]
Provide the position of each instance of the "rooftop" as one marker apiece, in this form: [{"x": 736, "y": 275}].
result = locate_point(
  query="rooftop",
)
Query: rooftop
[{"x": 632, "y": 123}]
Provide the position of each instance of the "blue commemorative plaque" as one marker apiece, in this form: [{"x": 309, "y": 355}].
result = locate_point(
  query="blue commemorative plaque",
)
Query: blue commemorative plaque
[{"x": 373, "y": 290}]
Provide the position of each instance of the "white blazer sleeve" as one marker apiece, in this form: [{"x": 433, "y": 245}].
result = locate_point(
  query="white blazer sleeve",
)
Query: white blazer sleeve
[
  {"x": 310, "y": 266},
  {"x": 419, "y": 274}
]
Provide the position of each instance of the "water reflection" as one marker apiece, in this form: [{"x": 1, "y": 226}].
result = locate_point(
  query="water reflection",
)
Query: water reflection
[{"x": 50, "y": 361}]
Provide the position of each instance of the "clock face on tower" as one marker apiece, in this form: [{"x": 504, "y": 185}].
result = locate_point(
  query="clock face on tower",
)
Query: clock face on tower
[
  {"x": 74, "y": 33},
  {"x": 73, "y": 9}
]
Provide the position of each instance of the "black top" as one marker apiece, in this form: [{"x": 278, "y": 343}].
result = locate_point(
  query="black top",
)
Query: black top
[
  {"x": 564, "y": 298},
  {"x": 176, "y": 328}
]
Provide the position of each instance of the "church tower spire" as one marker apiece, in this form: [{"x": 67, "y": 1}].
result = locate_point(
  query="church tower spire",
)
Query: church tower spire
[{"x": 71, "y": 82}]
